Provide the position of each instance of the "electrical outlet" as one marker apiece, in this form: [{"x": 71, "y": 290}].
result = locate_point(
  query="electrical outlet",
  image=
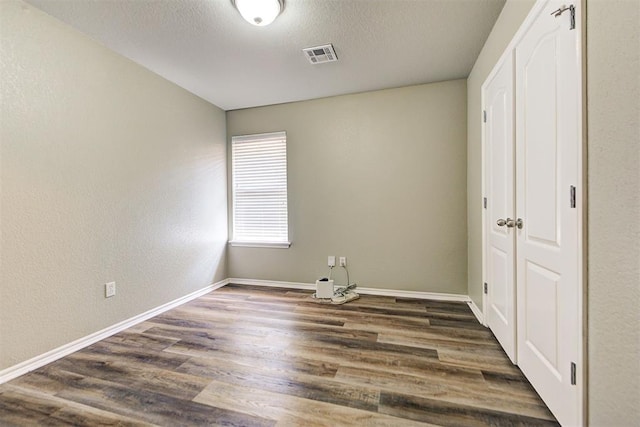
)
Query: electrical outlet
[
  {"x": 331, "y": 261},
  {"x": 343, "y": 261},
  {"x": 109, "y": 289}
]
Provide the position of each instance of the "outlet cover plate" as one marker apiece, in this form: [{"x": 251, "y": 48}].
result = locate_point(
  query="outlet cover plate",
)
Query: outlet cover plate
[{"x": 109, "y": 289}]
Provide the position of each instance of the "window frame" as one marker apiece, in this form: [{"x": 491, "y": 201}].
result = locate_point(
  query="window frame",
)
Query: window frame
[{"x": 257, "y": 243}]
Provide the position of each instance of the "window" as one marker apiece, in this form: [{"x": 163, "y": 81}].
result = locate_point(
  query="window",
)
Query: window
[{"x": 259, "y": 190}]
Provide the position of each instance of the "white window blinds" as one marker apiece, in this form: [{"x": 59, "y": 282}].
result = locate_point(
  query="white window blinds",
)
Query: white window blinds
[{"x": 259, "y": 182}]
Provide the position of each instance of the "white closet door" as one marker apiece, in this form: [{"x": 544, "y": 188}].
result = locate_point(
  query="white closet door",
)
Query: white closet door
[
  {"x": 547, "y": 148},
  {"x": 500, "y": 209}
]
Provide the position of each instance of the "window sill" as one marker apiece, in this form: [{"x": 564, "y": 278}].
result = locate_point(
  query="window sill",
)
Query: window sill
[{"x": 277, "y": 245}]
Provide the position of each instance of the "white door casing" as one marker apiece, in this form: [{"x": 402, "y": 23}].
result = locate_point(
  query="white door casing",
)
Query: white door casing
[
  {"x": 548, "y": 141},
  {"x": 500, "y": 205}
]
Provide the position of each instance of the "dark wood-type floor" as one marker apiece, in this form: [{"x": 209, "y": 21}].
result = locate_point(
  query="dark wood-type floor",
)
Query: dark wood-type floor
[{"x": 249, "y": 356}]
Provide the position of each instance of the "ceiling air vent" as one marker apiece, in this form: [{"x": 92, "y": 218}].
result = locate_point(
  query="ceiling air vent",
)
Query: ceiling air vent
[{"x": 320, "y": 54}]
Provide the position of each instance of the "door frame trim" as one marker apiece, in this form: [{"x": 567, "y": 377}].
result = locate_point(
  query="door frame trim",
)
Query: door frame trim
[{"x": 581, "y": 192}]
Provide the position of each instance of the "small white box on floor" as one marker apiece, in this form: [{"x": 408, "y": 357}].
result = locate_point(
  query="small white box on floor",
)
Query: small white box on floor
[{"x": 324, "y": 288}]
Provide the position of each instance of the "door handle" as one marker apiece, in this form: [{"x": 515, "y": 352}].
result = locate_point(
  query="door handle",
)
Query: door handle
[{"x": 510, "y": 223}]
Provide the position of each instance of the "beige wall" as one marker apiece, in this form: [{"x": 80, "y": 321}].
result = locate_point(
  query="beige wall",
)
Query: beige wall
[
  {"x": 613, "y": 115},
  {"x": 613, "y": 76},
  {"x": 378, "y": 177},
  {"x": 108, "y": 173},
  {"x": 503, "y": 31}
]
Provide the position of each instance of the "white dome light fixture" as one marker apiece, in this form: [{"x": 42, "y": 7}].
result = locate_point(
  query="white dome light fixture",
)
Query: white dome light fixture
[{"x": 259, "y": 12}]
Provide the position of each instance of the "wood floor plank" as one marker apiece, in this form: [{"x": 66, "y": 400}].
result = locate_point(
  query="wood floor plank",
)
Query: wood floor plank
[
  {"x": 285, "y": 306},
  {"x": 377, "y": 347},
  {"x": 433, "y": 374},
  {"x": 281, "y": 362},
  {"x": 230, "y": 313},
  {"x": 259, "y": 328},
  {"x": 453, "y": 390},
  {"x": 253, "y": 356},
  {"x": 452, "y": 315},
  {"x": 135, "y": 376},
  {"x": 152, "y": 358},
  {"x": 47, "y": 379},
  {"x": 137, "y": 339},
  {"x": 307, "y": 300},
  {"x": 299, "y": 385},
  {"x": 491, "y": 363},
  {"x": 70, "y": 413},
  {"x": 513, "y": 384},
  {"x": 16, "y": 410},
  {"x": 293, "y": 410},
  {"x": 458, "y": 350},
  {"x": 387, "y": 311},
  {"x": 154, "y": 408},
  {"x": 439, "y": 304},
  {"x": 139, "y": 328},
  {"x": 397, "y": 323},
  {"x": 457, "y": 323},
  {"x": 355, "y": 357},
  {"x": 449, "y": 414},
  {"x": 427, "y": 337},
  {"x": 253, "y": 348}
]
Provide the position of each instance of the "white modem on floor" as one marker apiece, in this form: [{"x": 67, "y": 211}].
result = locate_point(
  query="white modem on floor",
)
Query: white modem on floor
[{"x": 324, "y": 288}]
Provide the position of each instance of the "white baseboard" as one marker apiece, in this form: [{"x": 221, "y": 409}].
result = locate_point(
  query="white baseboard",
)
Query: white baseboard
[
  {"x": 272, "y": 283},
  {"x": 413, "y": 294},
  {"x": 57, "y": 353},
  {"x": 360, "y": 290},
  {"x": 476, "y": 311}
]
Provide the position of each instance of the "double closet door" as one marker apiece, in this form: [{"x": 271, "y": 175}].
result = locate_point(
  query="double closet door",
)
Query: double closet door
[{"x": 532, "y": 176}]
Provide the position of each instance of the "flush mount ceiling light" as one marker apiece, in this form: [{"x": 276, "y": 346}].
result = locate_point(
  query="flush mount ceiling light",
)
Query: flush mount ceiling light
[{"x": 259, "y": 12}]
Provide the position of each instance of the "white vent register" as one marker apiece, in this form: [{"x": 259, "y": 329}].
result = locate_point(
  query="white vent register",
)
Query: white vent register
[{"x": 320, "y": 54}]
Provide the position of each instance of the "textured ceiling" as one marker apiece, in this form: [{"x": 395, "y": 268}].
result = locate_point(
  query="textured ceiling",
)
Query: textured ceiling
[{"x": 207, "y": 48}]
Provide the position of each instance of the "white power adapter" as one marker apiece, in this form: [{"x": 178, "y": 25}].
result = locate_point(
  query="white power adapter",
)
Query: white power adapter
[{"x": 324, "y": 288}]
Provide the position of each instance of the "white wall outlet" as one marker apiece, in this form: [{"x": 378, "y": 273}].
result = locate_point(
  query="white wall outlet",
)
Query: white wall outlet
[
  {"x": 109, "y": 289},
  {"x": 331, "y": 260},
  {"x": 343, "y": 261}
]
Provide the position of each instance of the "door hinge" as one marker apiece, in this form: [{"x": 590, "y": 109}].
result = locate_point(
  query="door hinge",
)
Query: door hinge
[
  {"x": 573, "y": 373},
  {"x": 572, "y": 196},
  {"x": 486, "y": 288},
  {"x": 484, "y": 203},
  {"x": 484, "y": 116},
  {"x": 572, "y": 13},
  {"x": 572, "y": 10}
]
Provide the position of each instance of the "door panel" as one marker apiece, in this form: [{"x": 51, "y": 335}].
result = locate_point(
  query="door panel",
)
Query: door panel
[
  {"x": 499, "y": 188},
  {"x": 547, "y": 141},
  {"x": 541, "y": 291},
  {"x": 499, "y": 303},
  {"x": 541, "y": 154}
]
